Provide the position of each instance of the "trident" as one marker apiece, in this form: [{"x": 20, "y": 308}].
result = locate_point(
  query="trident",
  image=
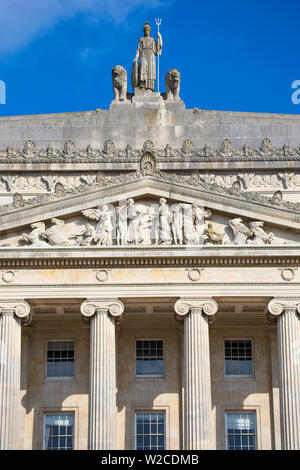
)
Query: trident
[{"x": 158, "y": 23}]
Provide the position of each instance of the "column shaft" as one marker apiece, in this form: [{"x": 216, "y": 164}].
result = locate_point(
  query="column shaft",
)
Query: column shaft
[
  {"x": 10, "y": 359},
  {"x": 289, "y": 374},
  {"x": 197, "y": 387},
  {"x": 102, "y": 400}
]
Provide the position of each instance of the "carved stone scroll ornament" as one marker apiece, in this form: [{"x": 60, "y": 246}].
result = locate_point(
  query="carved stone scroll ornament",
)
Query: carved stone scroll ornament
[
  {"x": 280, "y": 304},
  {"x": 183, "y": 307},
  {"x": 19, "y": 308},
  {"x": 112, "y": 306}
]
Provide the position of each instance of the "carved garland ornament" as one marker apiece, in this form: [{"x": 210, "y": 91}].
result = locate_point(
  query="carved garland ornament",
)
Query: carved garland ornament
[{"x": 226, "y": 151}]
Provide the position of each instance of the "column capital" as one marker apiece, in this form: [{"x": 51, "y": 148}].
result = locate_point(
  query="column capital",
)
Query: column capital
[
  {"x": 278, "y": 305},
  {"x": 112, "y": 306},
  {"x": 19, "y": 308},
  {"x": 185, "y": 305}
]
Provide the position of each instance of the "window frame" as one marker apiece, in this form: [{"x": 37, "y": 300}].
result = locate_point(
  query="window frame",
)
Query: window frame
[
  {"x": 56, "y": 413},
  {"x": 239, "y": 376},
  {"x": 243, "y": 411},
  {"x": 152, "y": 411},
  {"x": 149, "y": 376},
  {"x": 65, "y": 377}
]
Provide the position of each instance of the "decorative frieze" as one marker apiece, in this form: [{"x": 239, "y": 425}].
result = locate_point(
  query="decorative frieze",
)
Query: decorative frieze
[
  {"x": 69, "y": 152},
  {"x": 146, "y": 223}
]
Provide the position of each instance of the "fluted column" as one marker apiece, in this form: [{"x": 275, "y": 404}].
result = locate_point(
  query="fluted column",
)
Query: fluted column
[
  {"x": 102, "y": 388},
  {"x": 197, "y": 313},
  {"x": 286, "y": 310},
  {"x": 11, "y": 315}
]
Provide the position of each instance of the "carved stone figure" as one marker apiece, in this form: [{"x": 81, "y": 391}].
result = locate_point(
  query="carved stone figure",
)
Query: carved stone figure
[
  {"x": 86, "y": 237},
  {"x": 189, "y": 232},
  {"x": 143, "y": 74},
  {"x": 172, "y": 82},
  {"x": 177, "y": 225},
  {"x": 55, "y": 235},
  {"x": 121, "y": 224},
  {"x": 260, "y": 237},
  {"x": 213, "y": 236},
  {"x": 105, "y": 226},
  {"x": 134, "y": 234},
  {"x": 119, "y": 82},
  {"x": 200, "y": 214},
  {"x": 240, "y": 231},
  {"x": 33, "y": 238},
  {"x": 165, "y": 219}
]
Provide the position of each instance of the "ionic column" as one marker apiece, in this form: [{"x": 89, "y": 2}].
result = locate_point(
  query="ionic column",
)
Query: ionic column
[
  {"x": 197, "y": 313},
  {"x": 286, "y": 310},
  {"x": 102, "y": 388},
  {"x": 11, "y": 315}
]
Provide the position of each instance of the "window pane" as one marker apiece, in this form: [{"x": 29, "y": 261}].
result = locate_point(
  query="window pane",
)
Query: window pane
[
  {"x": 150, "y": 431},
  {"x": 238, "y": 357},
  {"x": 240, "y": 431},
  {"x": 149, "y": 357},
  {"x": 60, "y": 359},
  {"x": 58, "y": 431}
]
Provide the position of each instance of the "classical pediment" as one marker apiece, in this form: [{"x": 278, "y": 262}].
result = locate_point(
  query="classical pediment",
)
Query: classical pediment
[{"x": 166, "y": 209}]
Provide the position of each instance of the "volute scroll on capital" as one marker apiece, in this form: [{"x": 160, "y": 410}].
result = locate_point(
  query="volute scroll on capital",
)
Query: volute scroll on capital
[
  {"x": 19, "y": 308},
  {"x": 184, "y": 306},
  {"x": 112, "y": 306},
  {"x": 279, "y": 305}
]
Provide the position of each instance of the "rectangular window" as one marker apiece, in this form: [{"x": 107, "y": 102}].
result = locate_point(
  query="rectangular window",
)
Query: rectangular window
[
  {"x": 238, "y": 357},
  {"x": 59, "y": 431},
  {"x": 150, "y": 431},
  {"x": 60, "y": 359},
  {"x": 240, "y": 431},
  {"x": 150, "y": 358}
]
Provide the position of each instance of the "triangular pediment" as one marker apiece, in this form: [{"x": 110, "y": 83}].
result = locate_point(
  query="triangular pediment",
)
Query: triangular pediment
[{"x": 146, "y": 190}]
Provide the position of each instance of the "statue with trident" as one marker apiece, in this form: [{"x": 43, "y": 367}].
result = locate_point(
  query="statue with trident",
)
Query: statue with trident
[{"x": 143, "y": 74}]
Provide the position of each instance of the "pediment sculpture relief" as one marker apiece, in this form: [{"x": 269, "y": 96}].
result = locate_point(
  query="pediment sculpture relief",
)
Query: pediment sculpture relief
[{"x": 147, "y": 222}]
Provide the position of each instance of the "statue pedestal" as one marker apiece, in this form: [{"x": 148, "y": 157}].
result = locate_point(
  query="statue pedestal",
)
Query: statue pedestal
[
  {"x": 174, "y": 105},
  {"x": 142, "y": 96}
]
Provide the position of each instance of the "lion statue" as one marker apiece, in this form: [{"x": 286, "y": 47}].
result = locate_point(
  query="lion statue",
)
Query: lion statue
[
  {"x": 119, "y": 81},
  {"x": 172, "y": 82}
]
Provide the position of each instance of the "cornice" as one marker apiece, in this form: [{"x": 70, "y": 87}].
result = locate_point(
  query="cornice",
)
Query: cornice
[{"x": 143, "y": 257}]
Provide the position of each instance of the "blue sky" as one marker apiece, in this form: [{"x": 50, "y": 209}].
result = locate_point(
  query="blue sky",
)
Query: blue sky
[{"x": 57, "y": 55}]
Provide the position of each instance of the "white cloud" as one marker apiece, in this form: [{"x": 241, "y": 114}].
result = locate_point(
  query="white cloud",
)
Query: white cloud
[{"x": 21, "y": 21}]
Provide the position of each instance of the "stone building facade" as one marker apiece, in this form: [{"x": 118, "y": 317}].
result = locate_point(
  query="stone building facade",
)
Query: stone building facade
[{"x": 150, "y": 282}]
